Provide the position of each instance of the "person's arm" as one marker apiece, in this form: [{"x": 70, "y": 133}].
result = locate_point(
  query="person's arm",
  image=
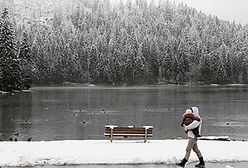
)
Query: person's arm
[
  {"x": 193, "y": 125},
  {"x": 197, "y": 118}
]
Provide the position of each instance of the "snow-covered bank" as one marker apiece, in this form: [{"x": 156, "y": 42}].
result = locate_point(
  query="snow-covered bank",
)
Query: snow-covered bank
[{"x": 118, "y": 152}]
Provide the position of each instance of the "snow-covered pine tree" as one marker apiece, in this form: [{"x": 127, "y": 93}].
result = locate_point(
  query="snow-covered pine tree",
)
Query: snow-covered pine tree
[
  {"x": 26, "y": 61},
  {"x": 205, "y": 72},
  {"x": 10, "y": 78}
]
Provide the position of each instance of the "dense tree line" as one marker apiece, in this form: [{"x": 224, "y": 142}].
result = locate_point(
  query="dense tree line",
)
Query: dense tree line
[
  {"x": 135, "y": 43},
  {"x": 12, "y": 72}
]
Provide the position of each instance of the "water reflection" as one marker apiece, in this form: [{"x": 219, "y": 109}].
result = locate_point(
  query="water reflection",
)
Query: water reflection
[
  {"x": 15, "y": 115},
  {"x": 81, "y": 113}
]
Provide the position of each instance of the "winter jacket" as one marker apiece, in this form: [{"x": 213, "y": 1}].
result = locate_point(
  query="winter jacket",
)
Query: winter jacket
[{"x": 194, "y": 129}]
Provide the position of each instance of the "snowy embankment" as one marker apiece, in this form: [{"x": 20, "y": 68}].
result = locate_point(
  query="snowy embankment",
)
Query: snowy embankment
[{"x": 118, "y": 152}]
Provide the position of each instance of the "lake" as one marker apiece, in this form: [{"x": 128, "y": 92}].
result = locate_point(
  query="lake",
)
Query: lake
[{"x": 78, "y": 113}]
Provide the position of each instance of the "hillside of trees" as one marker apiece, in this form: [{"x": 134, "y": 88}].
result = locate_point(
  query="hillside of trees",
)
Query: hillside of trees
[{"x": 136, "y": 42}]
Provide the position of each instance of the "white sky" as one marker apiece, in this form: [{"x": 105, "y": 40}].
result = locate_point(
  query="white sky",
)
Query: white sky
[{"x": 232, "y": 10}]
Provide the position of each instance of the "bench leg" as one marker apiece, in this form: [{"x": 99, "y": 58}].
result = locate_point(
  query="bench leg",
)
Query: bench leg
[
  {"x": 111, "y": 135},
  {"x": 145, "y": 138}
]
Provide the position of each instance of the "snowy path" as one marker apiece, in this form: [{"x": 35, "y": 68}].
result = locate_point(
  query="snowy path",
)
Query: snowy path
[
  {"x": 191, "y": 165},
  {"x": 74, "y": 152}
]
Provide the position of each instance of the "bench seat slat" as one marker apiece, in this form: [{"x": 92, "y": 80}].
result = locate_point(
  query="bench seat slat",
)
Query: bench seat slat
[
  {"x": 129, "y": 131},
  {"x": 149, "y": 135},
  {"x": 126, "y": 133}
]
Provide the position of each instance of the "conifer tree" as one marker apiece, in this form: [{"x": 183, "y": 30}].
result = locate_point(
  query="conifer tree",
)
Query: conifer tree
[
  {"x": 10, "y": 78},
  {"x": 129, "y": 42},
  {"x": 26, "y": 61}
]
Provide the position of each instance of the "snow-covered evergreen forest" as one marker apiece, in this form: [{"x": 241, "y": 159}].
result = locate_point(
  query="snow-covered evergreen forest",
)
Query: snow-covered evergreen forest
[{"x": 131, "y": 42}]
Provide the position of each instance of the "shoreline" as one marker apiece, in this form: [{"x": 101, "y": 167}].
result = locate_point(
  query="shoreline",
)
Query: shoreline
[{"x": 103, "y": 86}]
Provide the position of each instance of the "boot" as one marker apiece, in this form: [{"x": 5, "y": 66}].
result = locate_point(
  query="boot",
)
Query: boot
[
  {"x": 182, "y": 163},
  {"x": 201, "y": 164}
]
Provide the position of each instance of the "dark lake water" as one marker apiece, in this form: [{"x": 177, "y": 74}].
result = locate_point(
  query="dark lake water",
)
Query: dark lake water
[{"x": 59, "y": 113}]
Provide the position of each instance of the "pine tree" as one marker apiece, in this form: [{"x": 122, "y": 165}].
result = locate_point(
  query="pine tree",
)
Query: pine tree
[
  {"x": 206, "y": 74},
  {"x": 26, "y": 61},
  {"x": 129, "y": 42},
  {"x": 10, "y": 78}
]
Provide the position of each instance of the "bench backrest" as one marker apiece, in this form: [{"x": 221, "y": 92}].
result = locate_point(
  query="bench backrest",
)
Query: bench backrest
[{"x": 129, "y": 131}]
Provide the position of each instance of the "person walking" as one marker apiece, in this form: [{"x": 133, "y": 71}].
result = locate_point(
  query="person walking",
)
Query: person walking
[{"x": 193, "y": 131}]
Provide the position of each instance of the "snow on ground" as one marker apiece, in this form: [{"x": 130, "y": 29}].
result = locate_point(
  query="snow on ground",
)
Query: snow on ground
[{"x": 73, "y": 152}]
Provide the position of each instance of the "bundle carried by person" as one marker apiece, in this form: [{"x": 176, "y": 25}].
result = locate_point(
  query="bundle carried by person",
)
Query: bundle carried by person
[{"x": 188, "y": 118}]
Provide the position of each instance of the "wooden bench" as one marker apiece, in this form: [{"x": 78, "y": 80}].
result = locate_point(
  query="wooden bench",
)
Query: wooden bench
[{"x": 129, "y": 131}]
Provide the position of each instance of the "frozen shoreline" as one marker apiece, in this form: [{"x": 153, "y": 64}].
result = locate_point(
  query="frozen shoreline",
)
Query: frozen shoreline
[{"x": 78, "y": 152}]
